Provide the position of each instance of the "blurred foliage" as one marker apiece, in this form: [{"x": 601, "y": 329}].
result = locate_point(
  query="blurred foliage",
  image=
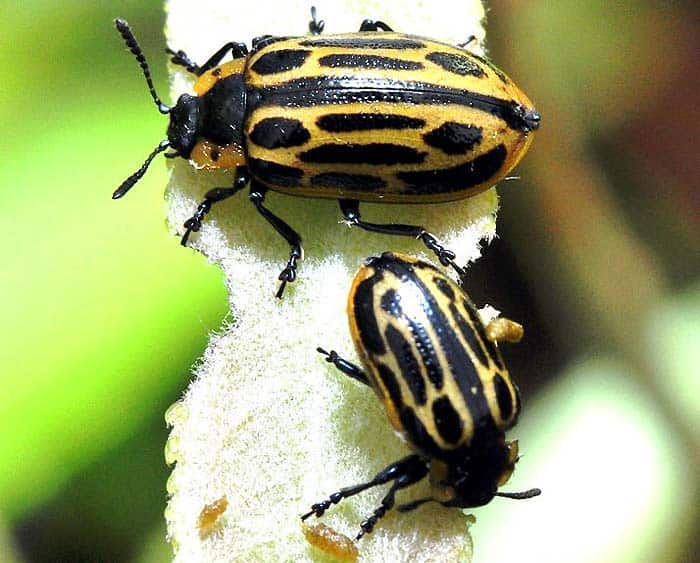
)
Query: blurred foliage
[{"x": 104, "y": 313}]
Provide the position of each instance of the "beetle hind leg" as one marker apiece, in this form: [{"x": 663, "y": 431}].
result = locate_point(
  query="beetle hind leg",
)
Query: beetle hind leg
[
  {"x": 350, "y": 209},
  {"x": 372, "y": 25}
]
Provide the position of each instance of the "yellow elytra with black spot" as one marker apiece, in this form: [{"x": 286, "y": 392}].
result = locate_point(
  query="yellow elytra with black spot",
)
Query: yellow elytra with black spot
[
  {"x": 369, "y": 116},
  {"x": 443, "y": 383},
  {"x": 376, "y": 116}
]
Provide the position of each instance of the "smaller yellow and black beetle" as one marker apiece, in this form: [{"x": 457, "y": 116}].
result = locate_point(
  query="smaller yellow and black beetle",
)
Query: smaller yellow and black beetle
[
  {"x": 374, "y": 116},
  {"x": 443, "y": 383}
]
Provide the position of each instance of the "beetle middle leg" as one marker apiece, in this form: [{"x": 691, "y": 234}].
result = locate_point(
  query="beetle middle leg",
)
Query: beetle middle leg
[
  {"x": 346, "y": 367},
  {"x": 351, "y": 211},
  {"x": 180, "y": 58},
  {"x": 215, "y": 195},
  {"x": 289, "y": 274},
  {"x": 404, "y": 473}
]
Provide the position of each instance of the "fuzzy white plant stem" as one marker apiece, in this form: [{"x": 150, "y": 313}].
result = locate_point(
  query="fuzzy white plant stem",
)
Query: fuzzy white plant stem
[{"x": 266, "y": 422}]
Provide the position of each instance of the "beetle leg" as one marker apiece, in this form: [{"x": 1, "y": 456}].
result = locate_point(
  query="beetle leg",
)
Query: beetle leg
[
  {"x": 350, "y": 209},
  {"x": 215, "y": 195},
  {"x": 180, "y": 58},
  {"x": 469, "y": 40},
  {"x": 404, "y": 472},
  {"x": 372, "y": 25},
  {"x": 264, "y": 40},
  {"x": 289, "y": 274},
  {"x": 315, "y": 25},
  {"x": 348, "y": 368},
  {"x": 413, "y": 472}
]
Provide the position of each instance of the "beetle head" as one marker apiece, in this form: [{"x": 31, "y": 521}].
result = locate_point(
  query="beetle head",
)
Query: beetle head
[
  {"x": 473, "y": 479},
  {"x": 185, "y": 122}
]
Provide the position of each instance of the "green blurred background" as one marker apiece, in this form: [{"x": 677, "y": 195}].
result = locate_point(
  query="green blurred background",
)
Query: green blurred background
[{"x": 104, "y": 313}]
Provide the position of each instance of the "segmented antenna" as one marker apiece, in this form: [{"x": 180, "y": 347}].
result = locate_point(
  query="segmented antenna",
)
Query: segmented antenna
[
  {"x": 136, "y": 176},
  {"x": 125, "y": 31},
  {"x": 523, "y": 495}
]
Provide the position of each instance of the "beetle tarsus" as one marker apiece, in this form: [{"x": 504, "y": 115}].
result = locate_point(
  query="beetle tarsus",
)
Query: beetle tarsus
[
  {"x": 194, "y": 223},
  {"x": 444, "y": 255},
  {"x": 315, "y": 25},
  {"x": 289, "y": 274},
  {"x": 180, "y": 58},
  {"x": 403, "y": 473},
  {"x": 215, "y": 195}
]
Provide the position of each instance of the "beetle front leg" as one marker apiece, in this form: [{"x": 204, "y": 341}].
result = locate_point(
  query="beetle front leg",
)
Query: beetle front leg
[
  {"x": 404, "y": 472},
  {"x": 413, "y": 471},
  {"x": 350, "y": 209},
  {"x": 215, "y": 195},
  {"x": 289, "y": 274}
]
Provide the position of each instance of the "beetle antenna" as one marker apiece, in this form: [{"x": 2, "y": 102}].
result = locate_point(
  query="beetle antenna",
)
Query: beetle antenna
[
  {"x": 125, "y": 31},
  {"x": 523, "y": 495},
  {"x": 136, "y": 176}
]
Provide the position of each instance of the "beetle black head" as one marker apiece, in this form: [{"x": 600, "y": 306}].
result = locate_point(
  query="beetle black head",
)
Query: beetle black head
[
  {"x": 125, "y": 31},
  {"x": 185, "y": 120},
  {"x": 472, "y": 478}
]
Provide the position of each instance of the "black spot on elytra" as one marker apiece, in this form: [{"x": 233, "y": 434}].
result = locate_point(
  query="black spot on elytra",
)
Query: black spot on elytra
[
  {"x": 216, "y": 71},
  {"x": 456, "y": 64},
  {"x": 340, "y": 122},
  {"x": 468, "y": 333},
  {"x": 497, "y": 71},
  {"x": 419, "y": 436},
  {"x": 363, "y": 43},
  {"x": 280, "y": 60},
  {"x": 345, "y": 181},
  {"x": 447, "y": 420},
  {"x": 366, "y": 320},
  {"x": 408, "y": 364},
  {"x": 454, "y": 138},
  {"x": 390, "y": 383},
  {"x": 369, "y": 62},
  {"x": 391, "y": 303},
  {"x": 370, "y": 153},
  {"x": 444, "y": 287},
  {"x": 505, "y": 404},
  {"x": 279, "y": 132},
  {"x": 215, "y": 154},
  {"x": 460, "y": 367},
  {"x": 359, "y": 89},
  {"x": 455, "y": 178},
  {"x": 275, "y": 174}
]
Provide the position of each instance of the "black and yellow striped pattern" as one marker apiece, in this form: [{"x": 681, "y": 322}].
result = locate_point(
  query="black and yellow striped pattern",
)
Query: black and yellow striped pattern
[
  {"x": 443, "y": 383},
  {"x": 380, "y": 117}
]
